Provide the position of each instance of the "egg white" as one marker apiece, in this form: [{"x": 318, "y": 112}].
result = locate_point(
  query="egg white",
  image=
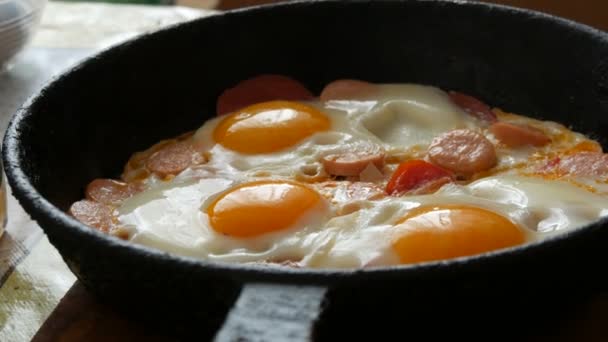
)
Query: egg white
[
  {"x": 343, "y": 231},
  {"x": 172, "y": 218},
  {"x": 399, "y": 118}
]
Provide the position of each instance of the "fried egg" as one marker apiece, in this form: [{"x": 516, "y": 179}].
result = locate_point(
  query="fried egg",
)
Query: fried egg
[
  {"x": 274, "y": 221},
  {"x": 283, "y": 138},
  {"x": 263, "y": 194}
]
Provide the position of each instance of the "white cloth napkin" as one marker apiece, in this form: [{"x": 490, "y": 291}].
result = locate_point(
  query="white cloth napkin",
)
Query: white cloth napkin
[
  {"x": 33, "y": 277},
  {"x": 94, "y": 25}
]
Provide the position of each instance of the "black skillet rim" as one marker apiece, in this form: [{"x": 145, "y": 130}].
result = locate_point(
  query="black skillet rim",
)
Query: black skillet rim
[{"x": 38, "y": 206}]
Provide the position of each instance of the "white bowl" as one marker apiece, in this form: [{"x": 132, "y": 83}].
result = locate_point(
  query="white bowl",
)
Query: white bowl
[{"x": 18, "y": 21}]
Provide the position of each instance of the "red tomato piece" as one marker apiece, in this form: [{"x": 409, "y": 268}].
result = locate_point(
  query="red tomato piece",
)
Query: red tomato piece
[{"x": 416, "y": 174}]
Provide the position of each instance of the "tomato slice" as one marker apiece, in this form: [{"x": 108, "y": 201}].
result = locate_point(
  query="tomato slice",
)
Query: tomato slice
[
  {"x": 416, "y": 174},
  {"x": 473, "y": 106}
]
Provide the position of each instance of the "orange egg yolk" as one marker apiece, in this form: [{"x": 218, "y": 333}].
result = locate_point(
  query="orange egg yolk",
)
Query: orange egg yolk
[
  {"x": 269, "y": 127},
  {"x": 257, "y": 208},
  {"x": 437, "y": 233}
]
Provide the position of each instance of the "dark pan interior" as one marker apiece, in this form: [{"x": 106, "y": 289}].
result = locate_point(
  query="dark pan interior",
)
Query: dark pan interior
[{"x": 87, "y": 123}]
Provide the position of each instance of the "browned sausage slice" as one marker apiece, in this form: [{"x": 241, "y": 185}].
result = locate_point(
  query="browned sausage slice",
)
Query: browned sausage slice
[
  {"x": 345, "y": 89},
  {"x": 590, "y": 164},
  {"x": 174, "y": 158},
  {"x": 473, "y": 106},
  {"x": 109, "y": 191},
  {"x": 261, "y": 89},
  {"x": 352, "y": 163},
  {"x": 135, "y": 169},
  {"x": 463, "y": 151},
  {"x": 96, "y": 215},
  {"x": 514, "y": 135}
]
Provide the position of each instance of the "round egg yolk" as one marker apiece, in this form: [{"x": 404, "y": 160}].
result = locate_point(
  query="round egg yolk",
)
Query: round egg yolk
[
  {"x": 437, "y": 233},
  {"x": 257, "y": 208},
  {"x": 269, "y": 127}
]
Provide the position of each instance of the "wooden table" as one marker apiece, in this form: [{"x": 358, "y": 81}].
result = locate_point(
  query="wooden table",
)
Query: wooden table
[
  {"x": 590, "y": 12},
  {"x": 80, "y": 317}
]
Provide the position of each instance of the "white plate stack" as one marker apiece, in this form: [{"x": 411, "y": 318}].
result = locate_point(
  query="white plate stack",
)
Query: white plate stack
[{"x": 18, "y": 21}]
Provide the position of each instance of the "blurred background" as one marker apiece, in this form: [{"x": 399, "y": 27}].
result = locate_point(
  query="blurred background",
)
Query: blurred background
[{"x": 591, "y": 12}]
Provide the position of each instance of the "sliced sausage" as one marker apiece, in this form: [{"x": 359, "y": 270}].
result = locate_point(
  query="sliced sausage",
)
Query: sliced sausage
[
  {"x": 590, "y": 164},
  {"x": 473, "y": 106},
  {"x": 109, "y": 191},
  {"x": 261, "y": 89},
  {"x": 174, "y": 158},
  {"x": 94, "y": 214},
  {"x": 135, "y": 169},
  {"x": 548, "y": 166},
  {"x": 345, "y": 89},
  {"x": 352, "y": 163},
  {"x": 514, "y": 135},
  {"x": 463, "y": 151}
]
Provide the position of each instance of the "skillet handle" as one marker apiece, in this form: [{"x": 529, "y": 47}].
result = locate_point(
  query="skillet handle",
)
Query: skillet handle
[{"x": 273, "y": 312}]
